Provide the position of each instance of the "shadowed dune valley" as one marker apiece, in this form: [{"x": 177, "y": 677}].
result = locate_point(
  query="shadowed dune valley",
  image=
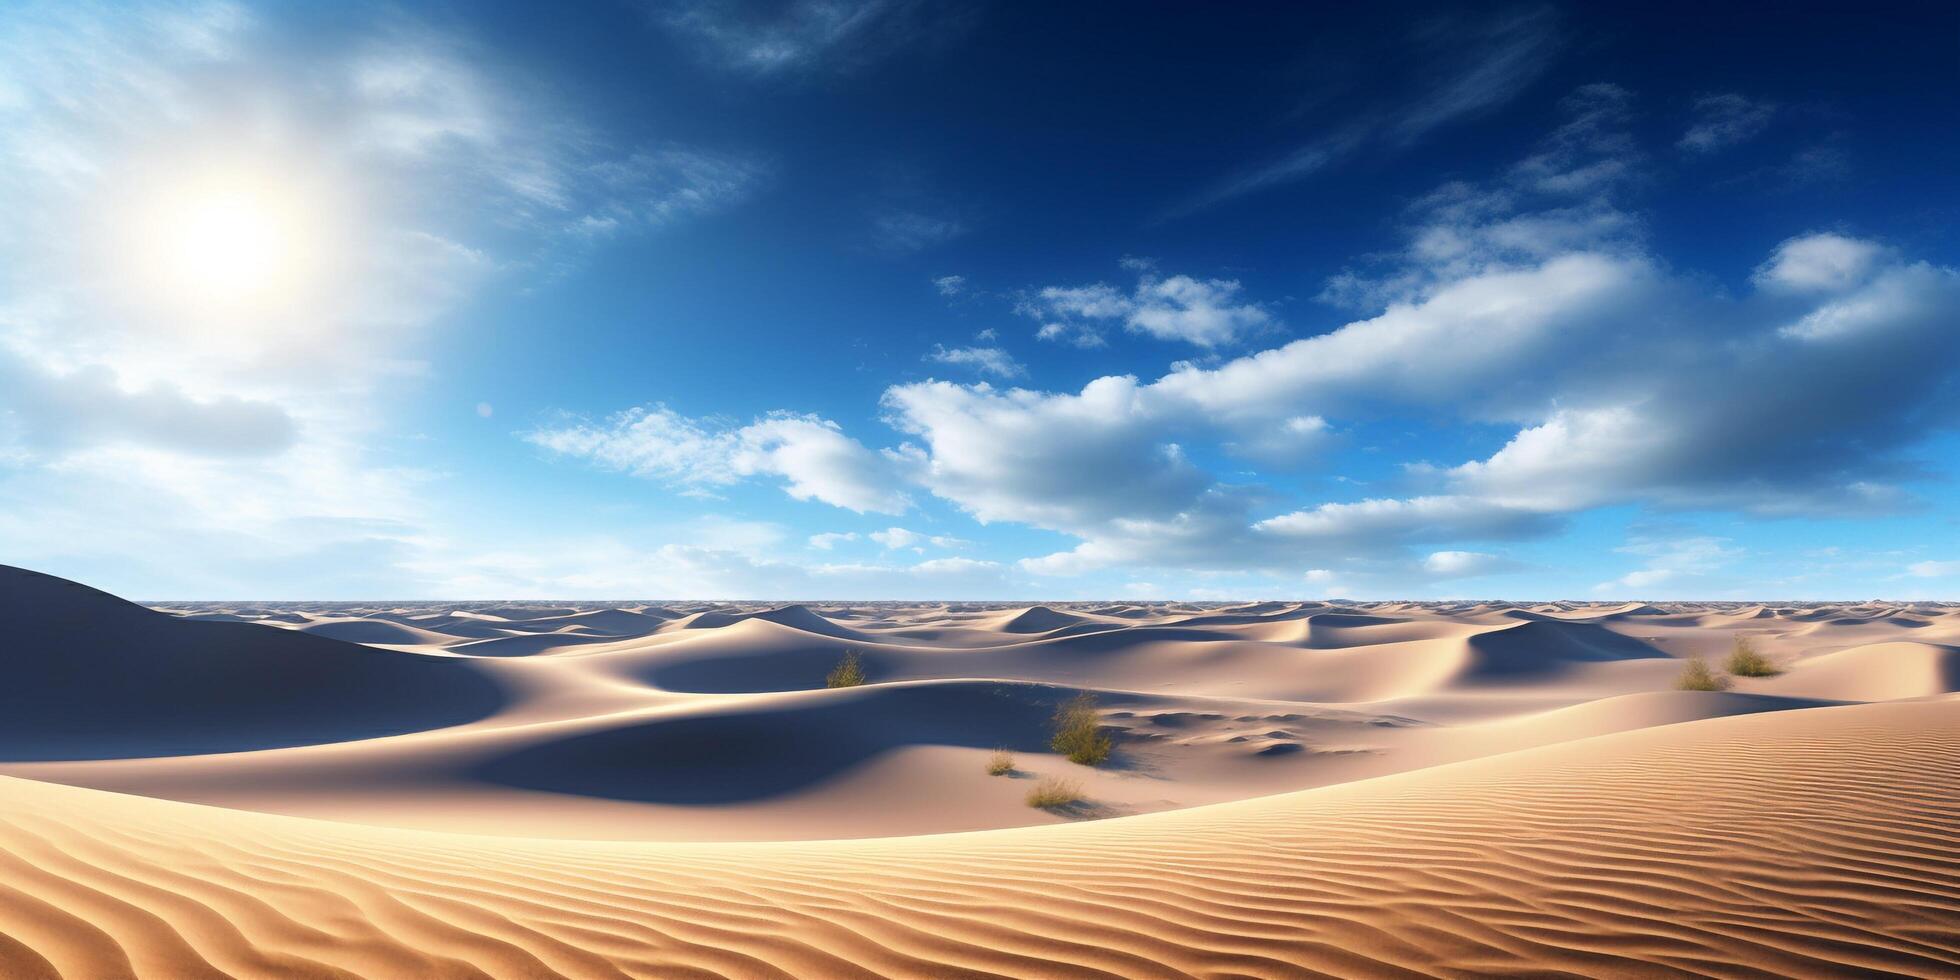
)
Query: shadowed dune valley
[
  {"x": 779, "y": 789},
  {"x": 941, "y": 489}
]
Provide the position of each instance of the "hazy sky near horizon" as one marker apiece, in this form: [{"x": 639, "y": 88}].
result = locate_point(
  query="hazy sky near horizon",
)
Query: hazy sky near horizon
[{"x": 896, "y": 299}]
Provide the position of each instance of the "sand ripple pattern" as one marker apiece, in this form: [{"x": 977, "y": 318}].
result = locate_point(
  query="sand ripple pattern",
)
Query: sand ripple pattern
[{"x": 1804, "y": 843}]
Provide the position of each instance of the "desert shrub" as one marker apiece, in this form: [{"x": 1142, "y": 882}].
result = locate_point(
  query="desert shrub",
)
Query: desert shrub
[
  {"x": 849, "y": 671},
  {"x": 1053, "y": 792},
  {"x": 1078, "y": 732},
  {"x": 1000, "y": 763},
  {"x": 1695, "y": 676},
  {"x": 1745, "y": 661}
]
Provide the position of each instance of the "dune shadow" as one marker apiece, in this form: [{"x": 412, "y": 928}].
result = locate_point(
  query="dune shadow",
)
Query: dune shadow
[
  {"x": 1088, "y": 810},
  {"x": 90, "y": 676},
  {"x": 758, "y": 753}
]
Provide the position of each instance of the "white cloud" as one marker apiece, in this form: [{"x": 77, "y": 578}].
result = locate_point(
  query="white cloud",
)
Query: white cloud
[
  {"x": 54, "y": 412},
  {"x": 1059, "y": 461},
  {"x": 1933, "y": 569},
  {"x": 1471, "y": 337},
  {"x": 1625, "y": 384},
  {"x": 1376, "y": 522},
  {"x": 956, "y": 566},
  {"x": 898, "y": 539},
  {"x": 894, "y": 538},
  {"x": 1206, "y": 312},
  {"x": 1819, "y": 262},
  {"x": 1724, "y": 120},
  {"x": 1462, "y": 564},
  {"x": 830, "y": 539},
  {"x": 986, "y": 360},
  {"x": 811, "y": 455},
  {"x": 950, "y": 285}
]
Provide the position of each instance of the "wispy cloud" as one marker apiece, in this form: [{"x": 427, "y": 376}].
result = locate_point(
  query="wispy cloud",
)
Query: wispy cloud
[
  {"x": 986, "y": 360},
  {"x": 770, "y": 38},
  {"x": 811, "y": 455},
  {"x": 905, "y": 230},
  {"x": 1725, "y": 120},
  {"x": 1472, "y": 66}
]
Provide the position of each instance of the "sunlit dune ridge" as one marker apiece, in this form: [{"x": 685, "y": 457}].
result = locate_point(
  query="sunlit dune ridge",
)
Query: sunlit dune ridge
[{"x": 1803, "y": 843}]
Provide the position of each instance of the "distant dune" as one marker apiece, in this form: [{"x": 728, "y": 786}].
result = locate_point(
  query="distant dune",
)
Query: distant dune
[{"x": 1339, "y": 789}]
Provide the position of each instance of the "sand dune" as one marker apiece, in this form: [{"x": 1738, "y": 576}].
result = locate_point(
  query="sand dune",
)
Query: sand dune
[
  {"x": 1347, "y": 788},
  {"x": 1819, "y": 842},
  {"x": 88, "y": 675},
  {"x": 1875, "y": 672}
]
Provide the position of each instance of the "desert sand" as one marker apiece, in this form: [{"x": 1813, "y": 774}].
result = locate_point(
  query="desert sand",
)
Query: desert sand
[{"x": 669, "y": 789}]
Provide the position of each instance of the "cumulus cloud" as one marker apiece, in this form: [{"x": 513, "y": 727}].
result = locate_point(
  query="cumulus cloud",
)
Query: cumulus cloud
[
  {"x": 1622, "y": 383},
  {"x": 812, "y": 456},
  {"x": 986, "y": 360},
  {"x": 1059, "y": 461},
  {"x": 1528, "y": 307},
  {"x": 1819, "y": 262},
  {"x": 1724, "y": 120},
  {"x": 1804, "y": 418},
  {"x": 1205, "y": 312}
]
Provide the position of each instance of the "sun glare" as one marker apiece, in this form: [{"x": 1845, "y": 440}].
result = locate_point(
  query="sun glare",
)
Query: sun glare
[{"x": 227, "y": 243}]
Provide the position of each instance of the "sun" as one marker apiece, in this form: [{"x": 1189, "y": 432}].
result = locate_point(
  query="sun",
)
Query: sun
[
  {"x": 227, "y": 245},
  {"x": 227, "y": 241}
]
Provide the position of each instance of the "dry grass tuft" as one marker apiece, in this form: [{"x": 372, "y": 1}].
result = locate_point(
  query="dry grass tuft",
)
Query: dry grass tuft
[
  {"x": 1054, "y": 792},
  {"x": 1078, "y": 732},
  {"x": 1000, "y": 763},
  {"x": 1745, "y": 661},
  {"x": 849, "y": 671},
  {"x": 1695, "y": 676}
]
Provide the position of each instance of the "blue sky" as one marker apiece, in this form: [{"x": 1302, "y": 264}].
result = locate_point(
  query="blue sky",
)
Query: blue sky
[{"x": 889, "y": 299}]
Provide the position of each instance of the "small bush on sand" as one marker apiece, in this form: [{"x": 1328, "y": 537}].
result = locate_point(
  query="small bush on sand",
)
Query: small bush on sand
[
  {"x": 1078, "y": 732},
  {"x": 1000, "y": 763},
  {"x": 849, "y": 671},
  {"x": 1695, "y": 676},
  {"x": 1054, "y": 792},
  {"x": 1745, "y": 661}
]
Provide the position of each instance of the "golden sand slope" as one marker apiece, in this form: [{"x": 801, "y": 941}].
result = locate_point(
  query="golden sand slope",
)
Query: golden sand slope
[{"x": 1818, "y": 842}]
